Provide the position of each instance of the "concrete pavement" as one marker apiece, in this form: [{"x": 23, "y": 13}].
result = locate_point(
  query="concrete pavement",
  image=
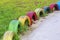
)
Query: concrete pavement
[{"x": 49, "y": 29}]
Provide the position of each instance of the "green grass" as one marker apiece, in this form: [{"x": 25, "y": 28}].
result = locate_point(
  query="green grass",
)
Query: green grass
[{"x": 12, "y": 9}]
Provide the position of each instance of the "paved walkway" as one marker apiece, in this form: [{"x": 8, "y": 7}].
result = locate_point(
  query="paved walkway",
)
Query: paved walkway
[{"x": 49, "y": 29}]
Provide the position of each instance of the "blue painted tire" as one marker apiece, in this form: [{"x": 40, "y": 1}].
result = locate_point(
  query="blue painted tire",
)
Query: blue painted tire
[
  {"x": 47, "y": 9},
  {"x": 58, "y": 3}
]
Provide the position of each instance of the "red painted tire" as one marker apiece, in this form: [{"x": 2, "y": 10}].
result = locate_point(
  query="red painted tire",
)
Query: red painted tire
[
  {"x": 32, "y": 15},
  {"x": 52, "y": 6}
]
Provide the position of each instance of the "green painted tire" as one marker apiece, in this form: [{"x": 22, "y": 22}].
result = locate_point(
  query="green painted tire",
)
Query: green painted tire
[{"x": 14, "y": 26}]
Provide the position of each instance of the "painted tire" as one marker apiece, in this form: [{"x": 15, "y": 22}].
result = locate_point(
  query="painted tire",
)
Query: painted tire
[
  {"x": 39, "y": 12},
  {"x": 8, "y": 35},
  {"x": 32, "y": 15},
  {"x": 23, "y": 19},
  {"x": 47, "y": 9},
  {"x": 53, "y": 7},
  {"x": 14, "y": 26},
  {"x": 58, "y": 3}
]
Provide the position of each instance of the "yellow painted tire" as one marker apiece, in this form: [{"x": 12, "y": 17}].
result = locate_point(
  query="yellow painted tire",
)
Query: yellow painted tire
[
  {"x": 8, "y": 35},
  {"x": 38, "y": 10},
  {"x": 22, "y": 19}
]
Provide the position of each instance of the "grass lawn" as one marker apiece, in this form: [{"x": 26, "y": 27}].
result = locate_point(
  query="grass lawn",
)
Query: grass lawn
[{"x": 12, "y": 9}]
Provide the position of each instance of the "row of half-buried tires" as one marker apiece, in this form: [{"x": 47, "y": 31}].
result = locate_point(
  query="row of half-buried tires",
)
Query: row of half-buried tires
[{"x": 23, "y": 22}]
